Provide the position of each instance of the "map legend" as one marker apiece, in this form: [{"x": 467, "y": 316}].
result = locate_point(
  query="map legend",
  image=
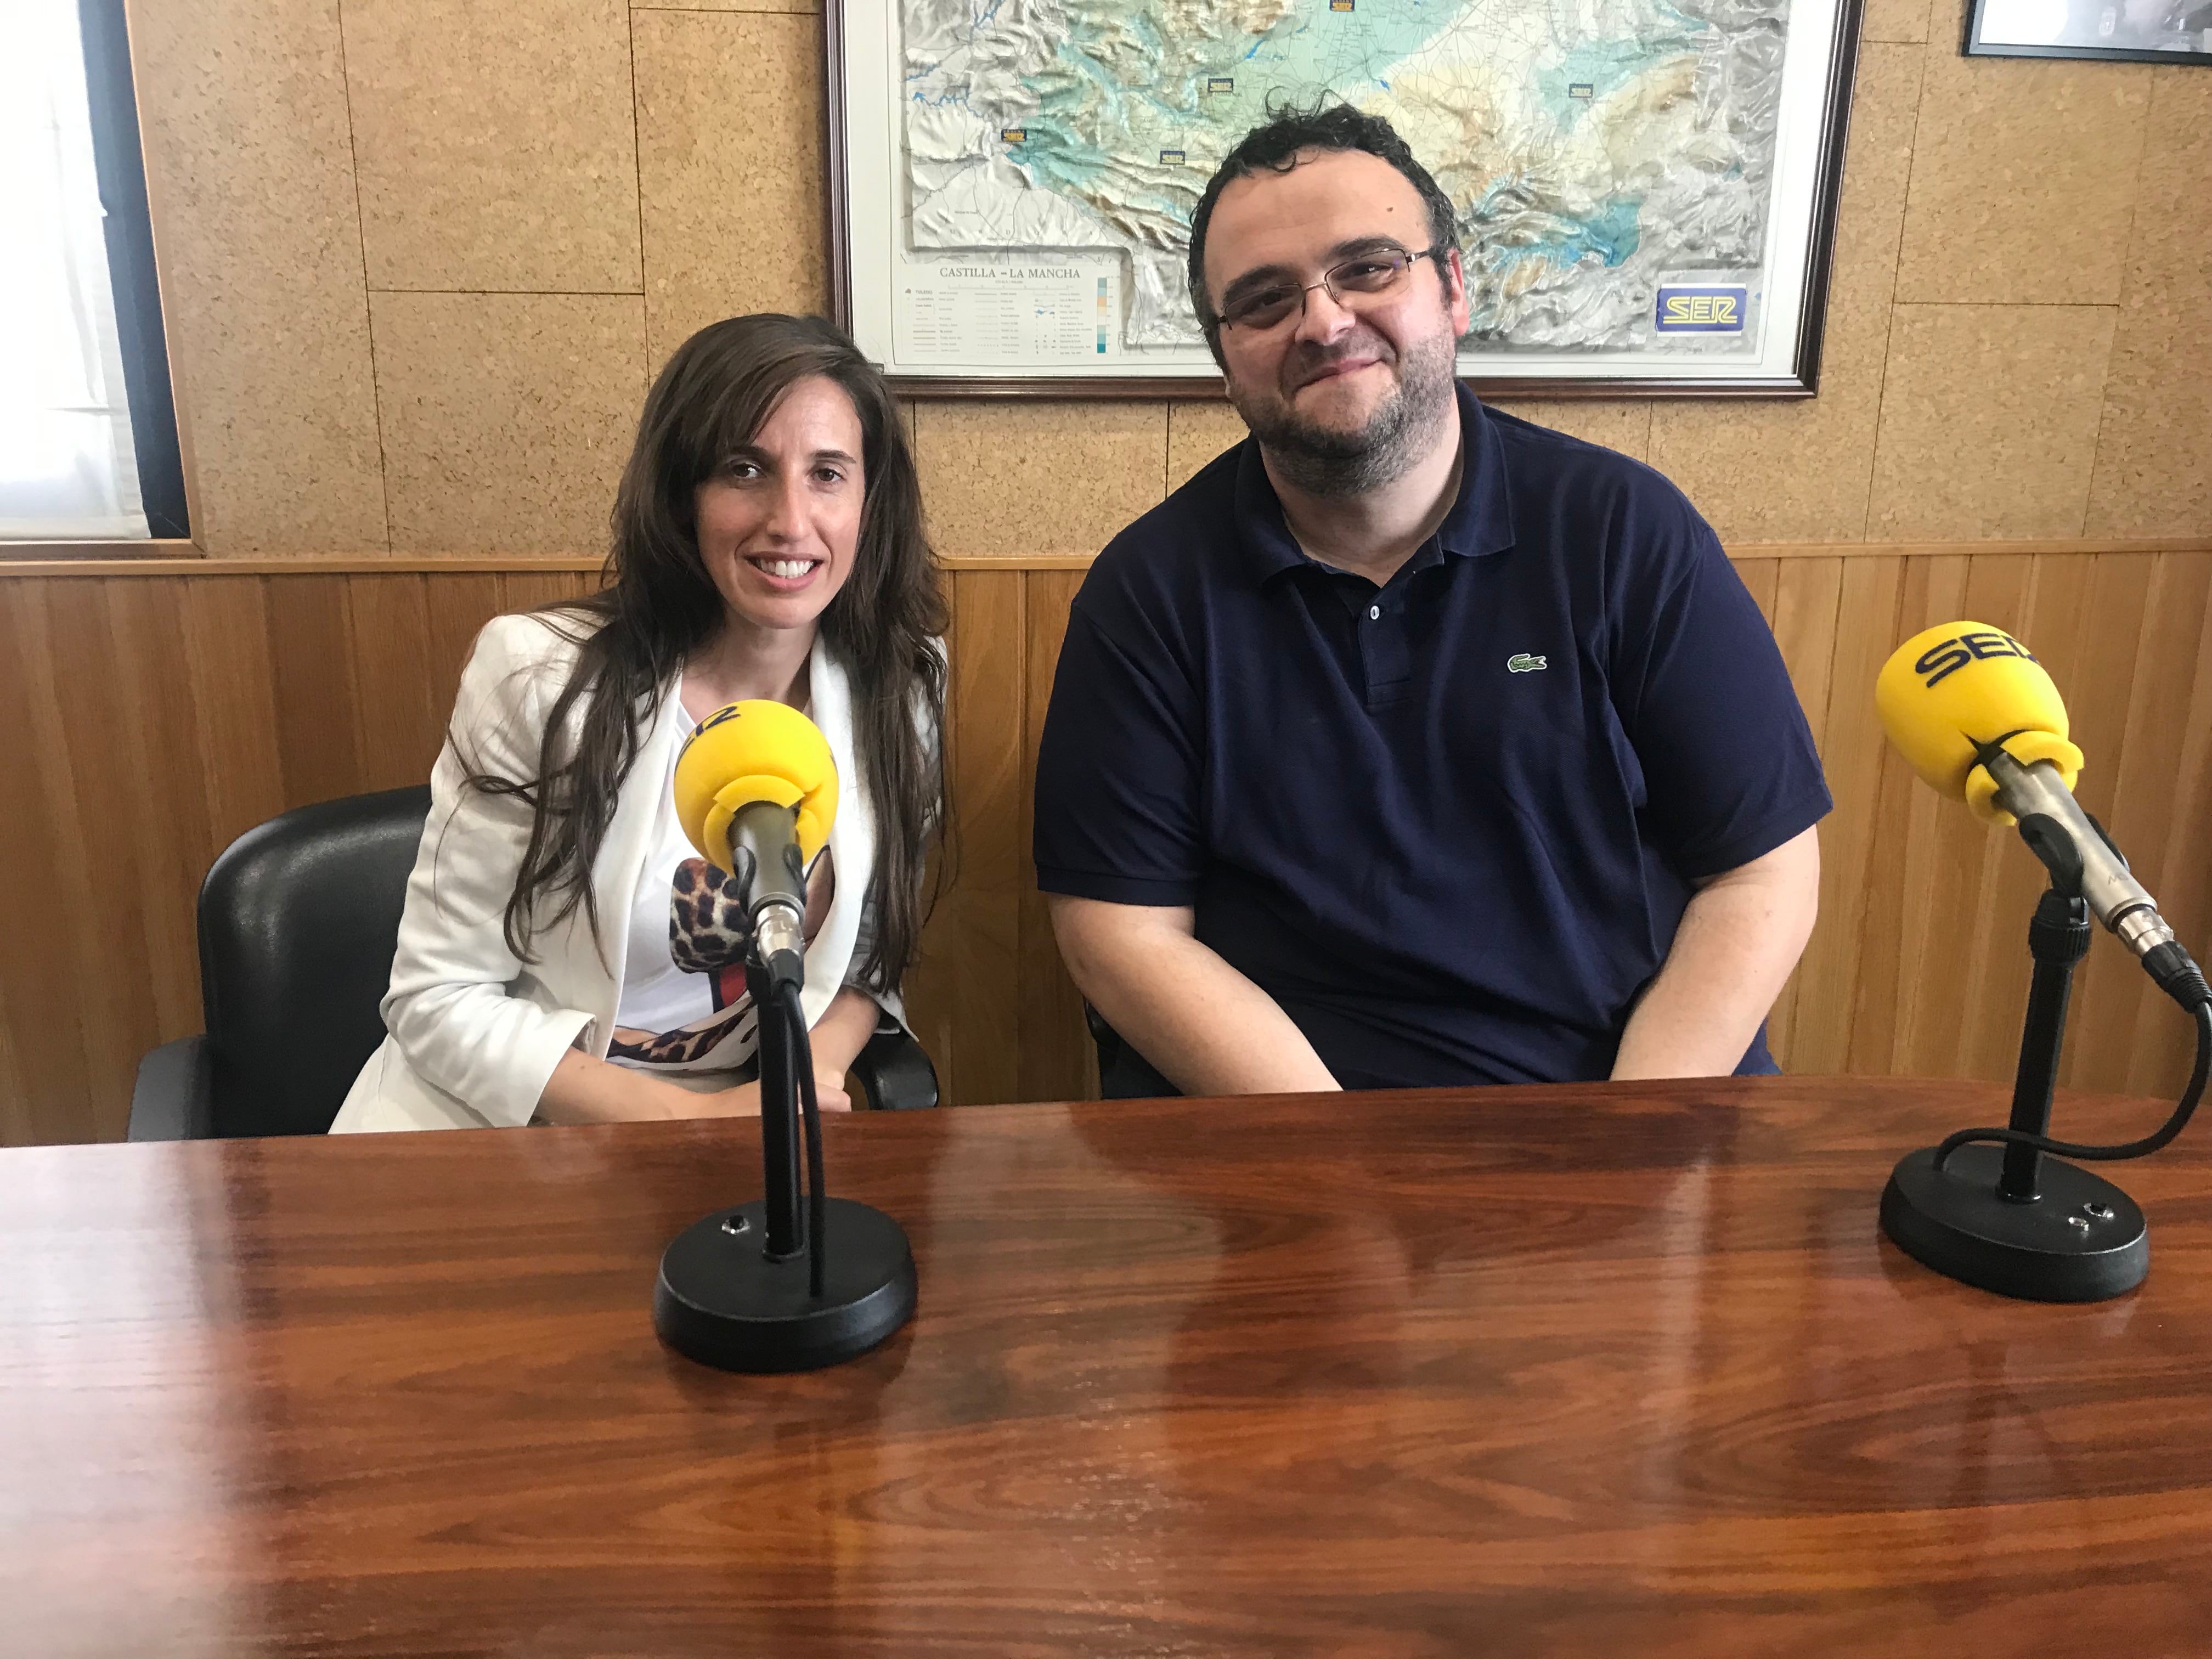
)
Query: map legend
[{"x": 986, "y": 315}]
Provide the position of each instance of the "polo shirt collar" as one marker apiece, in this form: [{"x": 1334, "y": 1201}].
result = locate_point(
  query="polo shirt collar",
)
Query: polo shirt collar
[{"x": 1480, "y": 520}]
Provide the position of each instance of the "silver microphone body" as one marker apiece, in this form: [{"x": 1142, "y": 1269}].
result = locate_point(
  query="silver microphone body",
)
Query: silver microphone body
[
  {"x": 2114, "y": 897},
  {"x": 765, "y": 848},
  {"x": 779, "y": 925}
]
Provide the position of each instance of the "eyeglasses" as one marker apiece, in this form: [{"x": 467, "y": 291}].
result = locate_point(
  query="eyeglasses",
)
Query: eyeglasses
[{"x": 1369, "y": 274}]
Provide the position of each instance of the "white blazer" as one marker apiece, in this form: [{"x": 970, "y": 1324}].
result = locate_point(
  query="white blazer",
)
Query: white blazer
[{"x": 474, "y": 1032}]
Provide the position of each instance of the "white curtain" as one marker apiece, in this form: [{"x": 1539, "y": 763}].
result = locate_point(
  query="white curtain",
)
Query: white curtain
[{"x": 67, "y": 469}]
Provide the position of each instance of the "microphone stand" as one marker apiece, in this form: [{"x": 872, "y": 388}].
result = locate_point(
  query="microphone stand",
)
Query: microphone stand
[
  {"x": 2005, "y": 1217},
  {"x": 757, "y": 1287},
  {"x": 785, "y": 1234}
]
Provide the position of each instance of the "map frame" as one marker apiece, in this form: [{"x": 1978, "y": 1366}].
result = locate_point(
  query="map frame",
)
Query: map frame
[{"x": 860, "y": 240}]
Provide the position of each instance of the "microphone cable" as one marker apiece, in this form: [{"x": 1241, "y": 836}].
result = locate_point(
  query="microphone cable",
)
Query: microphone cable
[
  {"x": 2143, "y": 1148},
  {"x": 801, "y": 1053}
]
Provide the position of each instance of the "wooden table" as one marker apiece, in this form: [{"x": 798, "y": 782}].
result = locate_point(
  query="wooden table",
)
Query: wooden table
[{"x": 1620, "y": 1370}]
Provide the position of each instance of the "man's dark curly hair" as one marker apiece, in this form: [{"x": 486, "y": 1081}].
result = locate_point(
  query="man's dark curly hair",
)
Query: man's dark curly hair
[{"x": 1276, "y": 146}]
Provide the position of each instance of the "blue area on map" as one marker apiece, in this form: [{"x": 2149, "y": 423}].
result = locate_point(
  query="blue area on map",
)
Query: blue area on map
[
  {"x": 1605, "y": 66},
  {"x": 1610, "y": 234}
]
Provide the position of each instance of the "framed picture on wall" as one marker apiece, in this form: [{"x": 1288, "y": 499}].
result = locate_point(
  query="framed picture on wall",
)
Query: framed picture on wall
[
  {"x": 1646, "y": 188},
  {"x": 2138, "y": 31}
]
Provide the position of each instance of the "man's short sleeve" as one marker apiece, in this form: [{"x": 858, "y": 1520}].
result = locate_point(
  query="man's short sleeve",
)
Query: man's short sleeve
[
  {"x": 1730, "y": 771},
  {"x": 1119, "y": 770}
]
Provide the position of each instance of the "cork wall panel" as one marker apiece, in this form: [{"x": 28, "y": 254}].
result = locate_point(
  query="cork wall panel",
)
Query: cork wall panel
[
  {"x": 1625, "y": 427},
  {"x": 730, "y": 168},
  {"x": 1902, "y": 21},
  {"x": 2155, "y": 450},
  {"x": 496, "y": 153},
  {"x": 496, "y": 144},
  {"x": 1197, "y": 432},
  {"x": 1989, "y": 421},
  {"x": 807, "y": 6},
  {"x": 249, "y": 167},
  {"x": 1014, "y": 480},
  {"x": 508, "y": 416},
  {"x": 2024, "y": 181},
  {"x": 1801, "y": 470}
]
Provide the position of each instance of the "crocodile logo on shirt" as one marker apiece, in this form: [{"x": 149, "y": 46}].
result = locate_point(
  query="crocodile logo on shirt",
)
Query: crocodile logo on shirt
[{"x": 1523, "y": 663}]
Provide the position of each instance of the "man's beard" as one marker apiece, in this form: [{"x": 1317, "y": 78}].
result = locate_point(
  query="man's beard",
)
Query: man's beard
[{"x": 1324, "y": 461}]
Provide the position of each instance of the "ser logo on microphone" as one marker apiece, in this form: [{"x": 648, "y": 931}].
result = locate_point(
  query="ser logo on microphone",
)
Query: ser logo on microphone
[
  {"x": 1941, "y": 661},
  {"x": 712, "y": 720}
]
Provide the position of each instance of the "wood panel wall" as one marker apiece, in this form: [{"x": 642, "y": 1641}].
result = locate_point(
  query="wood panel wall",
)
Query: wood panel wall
[{"x": 147, "y": 719}]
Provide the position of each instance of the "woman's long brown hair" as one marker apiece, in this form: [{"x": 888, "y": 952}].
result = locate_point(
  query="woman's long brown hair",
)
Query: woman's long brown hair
[{"x": 659, "y": 607}]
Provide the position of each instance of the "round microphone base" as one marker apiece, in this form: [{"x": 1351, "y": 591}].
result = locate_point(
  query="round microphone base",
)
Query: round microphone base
[
  {"x": 2081, "y": 1240},
  {"x": 721, "y": 1301}
]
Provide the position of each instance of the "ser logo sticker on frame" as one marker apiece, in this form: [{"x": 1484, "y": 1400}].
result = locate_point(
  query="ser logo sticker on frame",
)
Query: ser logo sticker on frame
[{"x": 1702, "y": 309}]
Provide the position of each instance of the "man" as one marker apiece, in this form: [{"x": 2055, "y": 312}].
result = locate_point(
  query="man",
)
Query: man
[{"x": 1410, "y": 744}]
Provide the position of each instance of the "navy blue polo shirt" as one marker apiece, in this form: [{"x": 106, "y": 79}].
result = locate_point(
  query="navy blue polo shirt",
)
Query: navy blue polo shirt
[{"x": 1450, "y": 825}]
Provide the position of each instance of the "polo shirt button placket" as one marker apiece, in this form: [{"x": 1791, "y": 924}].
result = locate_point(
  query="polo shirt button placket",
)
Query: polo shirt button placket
[{"x": 1375, "y": 613}]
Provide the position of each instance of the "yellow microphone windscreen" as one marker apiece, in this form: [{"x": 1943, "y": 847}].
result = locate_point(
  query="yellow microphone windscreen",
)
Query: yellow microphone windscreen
[
  {"x": 1953, "y": 687},
  {"x": 752, "y": 751}
]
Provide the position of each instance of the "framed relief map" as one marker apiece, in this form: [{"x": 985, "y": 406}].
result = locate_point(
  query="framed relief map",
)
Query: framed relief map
[{"x": 1646, "y": 188}]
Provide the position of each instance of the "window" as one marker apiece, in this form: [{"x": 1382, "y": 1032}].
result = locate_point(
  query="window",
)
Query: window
[{"x": 88, "y": 431}]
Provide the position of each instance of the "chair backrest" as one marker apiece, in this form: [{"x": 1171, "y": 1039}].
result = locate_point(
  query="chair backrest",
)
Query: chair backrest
[
  {"x": 1123, "y": 1074},
  {"x": 299, "y": 919}
]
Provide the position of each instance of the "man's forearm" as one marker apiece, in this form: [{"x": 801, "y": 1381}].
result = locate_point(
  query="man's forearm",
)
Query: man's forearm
[
  {"x": 1739, "y": 937},
  {"x": 1204, "y": 1026}
]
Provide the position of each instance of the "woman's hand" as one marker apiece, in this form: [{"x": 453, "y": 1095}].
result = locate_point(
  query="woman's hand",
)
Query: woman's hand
[
  {"x": 744, "y": 1100},
  {"x": 583, "y": 1090}
]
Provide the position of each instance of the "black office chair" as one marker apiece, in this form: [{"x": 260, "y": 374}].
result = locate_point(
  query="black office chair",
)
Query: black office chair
[
  {"x": 298, "y": 922},
  {"x": 892, "y": 1072},
  {"x": 1123, "y": 1074}
]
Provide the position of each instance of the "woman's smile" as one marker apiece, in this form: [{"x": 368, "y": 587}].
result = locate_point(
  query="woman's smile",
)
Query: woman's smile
[{"x": 784, "y": 574}]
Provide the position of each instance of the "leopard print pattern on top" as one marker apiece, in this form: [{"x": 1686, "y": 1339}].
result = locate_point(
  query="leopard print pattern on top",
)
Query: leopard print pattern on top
[
  {"x": 708, "y": 933},
  {"x": 707, "y": 925},
  {"x": 688, "y": 1043}
]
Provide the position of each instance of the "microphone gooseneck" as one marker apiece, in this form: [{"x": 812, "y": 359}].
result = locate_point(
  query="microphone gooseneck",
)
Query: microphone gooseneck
[{"x": 818, "y": 1205}]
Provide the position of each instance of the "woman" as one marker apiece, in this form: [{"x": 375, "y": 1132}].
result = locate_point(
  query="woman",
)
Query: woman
[{"x": 563, "y": 957}]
